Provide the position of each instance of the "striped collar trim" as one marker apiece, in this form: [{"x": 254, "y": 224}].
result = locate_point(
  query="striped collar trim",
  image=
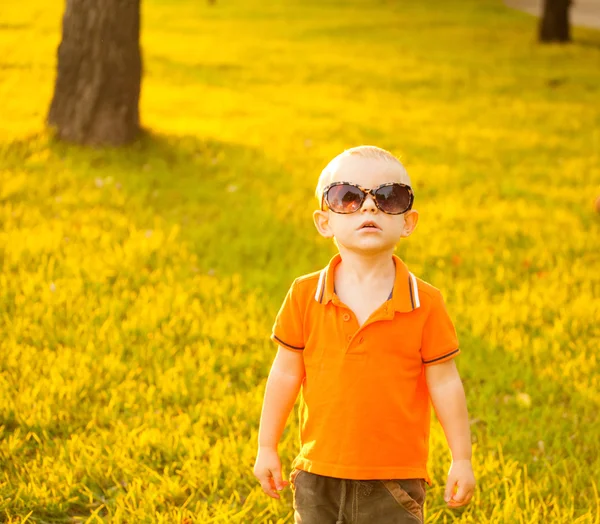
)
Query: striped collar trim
[{"x": 405, "y": 295}]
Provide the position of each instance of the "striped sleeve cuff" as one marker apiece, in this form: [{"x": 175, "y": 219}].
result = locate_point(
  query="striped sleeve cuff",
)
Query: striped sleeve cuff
[
  {"x": 277, "y": 340},
  {"x": 442, "y": 358}
]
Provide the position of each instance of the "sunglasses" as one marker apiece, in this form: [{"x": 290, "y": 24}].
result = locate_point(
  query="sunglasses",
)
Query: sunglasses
[{"x": 392, "y": 198}]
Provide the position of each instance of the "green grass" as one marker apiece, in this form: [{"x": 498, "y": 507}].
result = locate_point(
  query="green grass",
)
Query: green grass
[{"x": 138, "y": 286}]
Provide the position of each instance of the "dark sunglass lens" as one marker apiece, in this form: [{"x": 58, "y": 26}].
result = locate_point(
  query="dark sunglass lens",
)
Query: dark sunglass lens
[
  {"x": 344, "y": 198},
  {"x": 393, "y": 199}
]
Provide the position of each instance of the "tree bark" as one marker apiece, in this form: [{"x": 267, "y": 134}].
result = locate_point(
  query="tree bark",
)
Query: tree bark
[
  {"x": 97, "y": 90},
  {"x": 554, "y": 24}
]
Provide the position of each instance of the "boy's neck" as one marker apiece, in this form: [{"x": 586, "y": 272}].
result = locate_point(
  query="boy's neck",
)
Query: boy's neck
[{"x": 366, "y": 268}]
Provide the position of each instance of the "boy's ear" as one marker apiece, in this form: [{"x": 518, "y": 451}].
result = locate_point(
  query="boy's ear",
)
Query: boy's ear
[
  {"x": 410, "y": 222},
  {"x": 321, "y": 219}
]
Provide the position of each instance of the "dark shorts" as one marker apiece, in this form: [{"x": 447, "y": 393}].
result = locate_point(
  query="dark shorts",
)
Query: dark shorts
[{"x": 318, "y": 499}]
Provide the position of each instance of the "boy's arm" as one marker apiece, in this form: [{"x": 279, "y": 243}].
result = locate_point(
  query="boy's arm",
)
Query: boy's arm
[
  {"x": 283, "y": 385},
  {"x": 448, "y": 399}
]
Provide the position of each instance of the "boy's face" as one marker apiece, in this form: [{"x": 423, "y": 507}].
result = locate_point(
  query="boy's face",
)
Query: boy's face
[{"x": 347, "y": 228}]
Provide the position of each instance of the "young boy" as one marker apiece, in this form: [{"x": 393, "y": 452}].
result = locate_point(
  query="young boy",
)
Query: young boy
[{"x": 370, "y": 345}]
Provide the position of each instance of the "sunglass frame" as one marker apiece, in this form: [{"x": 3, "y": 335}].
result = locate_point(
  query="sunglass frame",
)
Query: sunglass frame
[{"x": 366, "y": 192}]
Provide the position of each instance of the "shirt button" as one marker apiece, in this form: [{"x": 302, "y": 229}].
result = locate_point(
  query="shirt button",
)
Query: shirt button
[
  {"x": 362, "y": 339},
  {"x": 349, "y": 337},
  {"x": 346, "y": 317}
]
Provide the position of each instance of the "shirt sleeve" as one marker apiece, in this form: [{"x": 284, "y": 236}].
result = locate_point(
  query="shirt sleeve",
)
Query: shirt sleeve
[
  {"x": 439, "y": 340},
  {"x": 288, "y": 329}
]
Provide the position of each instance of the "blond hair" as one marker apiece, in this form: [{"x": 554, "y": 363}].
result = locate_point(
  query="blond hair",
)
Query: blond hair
[{"x": 363, "y": 151}]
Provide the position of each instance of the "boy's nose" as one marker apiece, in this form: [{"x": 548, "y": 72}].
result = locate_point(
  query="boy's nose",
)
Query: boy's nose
[{"x": 369, "y": 204}]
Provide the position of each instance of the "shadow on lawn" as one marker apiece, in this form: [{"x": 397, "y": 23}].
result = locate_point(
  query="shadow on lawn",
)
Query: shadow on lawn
[
  {"x": 587, "y": 43},
  {"x": 232, "y": 204}
]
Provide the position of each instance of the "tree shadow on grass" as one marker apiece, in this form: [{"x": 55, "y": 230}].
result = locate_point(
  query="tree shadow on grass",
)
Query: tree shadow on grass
[
  {"x": 236, "y": 209},
  {"x": 587, "y": 43}
]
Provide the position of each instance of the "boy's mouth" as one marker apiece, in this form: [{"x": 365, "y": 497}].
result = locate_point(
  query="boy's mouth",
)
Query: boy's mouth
[{"x": 369, "y": 224}]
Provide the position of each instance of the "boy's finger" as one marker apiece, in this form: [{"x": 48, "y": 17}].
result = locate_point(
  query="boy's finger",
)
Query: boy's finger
[
  {"x": 277, "y": 480},
  {"x": 268, "y": 488},
  {"x": 457, "y": 504},
  {"x": 460, "y": 495},
  {"x": 449, "y": 491}
]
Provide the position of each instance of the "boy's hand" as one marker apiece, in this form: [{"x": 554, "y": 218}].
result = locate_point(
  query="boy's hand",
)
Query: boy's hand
[
  {"x": 267, "y": 470},
  {"x": 462, "y": 478}
]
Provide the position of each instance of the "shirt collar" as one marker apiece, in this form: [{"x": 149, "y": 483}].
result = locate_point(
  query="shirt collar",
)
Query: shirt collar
[{"x": 405, "y": 295}]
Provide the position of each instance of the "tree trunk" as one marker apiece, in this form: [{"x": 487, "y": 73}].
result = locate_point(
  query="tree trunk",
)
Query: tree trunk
[
  {"x": 97, "y": 91},
  {"x": 554, "y": 24}
]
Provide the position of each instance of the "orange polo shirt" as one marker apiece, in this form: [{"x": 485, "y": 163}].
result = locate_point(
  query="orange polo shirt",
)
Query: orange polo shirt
[{"x": 365, "y": 409}]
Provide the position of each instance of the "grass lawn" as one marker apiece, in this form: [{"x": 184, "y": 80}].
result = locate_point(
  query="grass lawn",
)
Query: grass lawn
[{"x": 139, "y": 286}]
